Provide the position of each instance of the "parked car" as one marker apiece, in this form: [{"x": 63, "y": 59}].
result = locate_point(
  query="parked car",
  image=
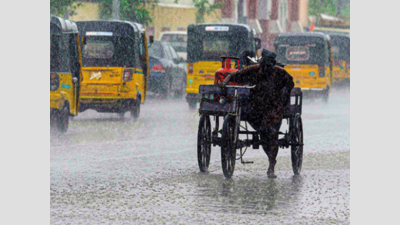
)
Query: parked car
[
  {"x": 178, "y": 40},
  {"x": 167, "y": 73}
]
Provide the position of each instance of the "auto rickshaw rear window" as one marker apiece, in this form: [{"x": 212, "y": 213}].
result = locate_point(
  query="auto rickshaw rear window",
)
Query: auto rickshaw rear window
[
  {"x": 101, "y": 51},
  {"x": 216, "y": 46},
  {"x": 212, "y": 47}
]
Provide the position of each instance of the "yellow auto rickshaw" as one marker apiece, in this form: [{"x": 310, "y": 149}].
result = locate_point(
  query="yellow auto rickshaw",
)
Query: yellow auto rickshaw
[
  {"x": 65, "y": 72},
  {"x": 115, "y": 66},
  {"x": 308, "y": 58},
  {"x": 341, "y": 58},
  {"x": 206, "y": 44}
]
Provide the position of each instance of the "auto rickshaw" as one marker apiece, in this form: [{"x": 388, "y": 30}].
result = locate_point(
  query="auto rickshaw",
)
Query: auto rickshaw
[
  {"x": 341, "y": 58},
  {"x": 205, "y": 46},
  {"x": 65, "y": 72},
  {"x": 115, "y": 66},
  {"x": 308, "y": 58}
]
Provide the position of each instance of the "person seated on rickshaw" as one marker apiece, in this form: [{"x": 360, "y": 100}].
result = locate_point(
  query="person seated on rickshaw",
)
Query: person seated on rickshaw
[{"x": 266, "y": 101}]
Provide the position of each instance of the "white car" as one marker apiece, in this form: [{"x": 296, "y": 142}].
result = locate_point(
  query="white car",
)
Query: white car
[{"x": 178, "y": 40}]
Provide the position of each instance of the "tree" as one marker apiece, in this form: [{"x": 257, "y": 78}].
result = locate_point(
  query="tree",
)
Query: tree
[
  {"x": 336, "y": 8},
  {"x": 131, "y": 10},
  {"x": 203, "y": 7},
  {"x": 322, "y": 7},
  {"x": 60, "y": 7}
]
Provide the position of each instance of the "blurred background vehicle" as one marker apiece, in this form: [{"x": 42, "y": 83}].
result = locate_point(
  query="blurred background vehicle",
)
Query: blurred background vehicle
[
  {"x": 65, "y": 72},
  {"x": 308, "y": 58},
  {"x": 115, "y": 66},
  {"x": 178, "y": 40},
  {"x": 341, "y": 58},
  {"x": 206, "y": 44},
  {"x": 167, "y": 70}
]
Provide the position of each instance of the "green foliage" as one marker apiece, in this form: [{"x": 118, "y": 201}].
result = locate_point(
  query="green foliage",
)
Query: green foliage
[
  {"x": 60, "y": 7},
  {"x": 316, "y": 7},
  {"x": 130, "y": 10},
  {"x": 346, "y": 12},
  {"x": 328, "y": 7},
  {"x": 203, "y": 7}
]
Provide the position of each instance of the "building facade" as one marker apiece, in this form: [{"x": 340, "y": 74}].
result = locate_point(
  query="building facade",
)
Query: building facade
[
  {"x": 166, "y": 15},
  {"x": 267, "y": 17}
]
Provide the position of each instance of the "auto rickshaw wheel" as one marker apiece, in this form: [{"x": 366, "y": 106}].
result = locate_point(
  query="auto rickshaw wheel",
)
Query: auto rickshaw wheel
[
  {"x": 192, "y": 105},
  {"x": 325, "y": 95},
  {"x": 135, "y": 113},
  {"x": 63, "y": 119},
  {"x": 204, "y": 143},
  {"x": 179, "y": 93},
  {"x": 228, "y": 147},
  {"x": 297, "y": 145}
]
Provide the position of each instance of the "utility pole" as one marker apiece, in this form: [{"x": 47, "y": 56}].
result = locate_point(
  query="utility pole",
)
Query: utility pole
[{"x": 115, "y": 9}]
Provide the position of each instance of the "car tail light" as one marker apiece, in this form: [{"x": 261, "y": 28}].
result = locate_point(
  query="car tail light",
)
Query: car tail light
[
  {"x": 321, "y": 71},
  {"x": 54, "y": 81},
  {"x": 128, "y": 73},
  {"x": 190, "y": 68},
  {"x": 158, "y": 68}
]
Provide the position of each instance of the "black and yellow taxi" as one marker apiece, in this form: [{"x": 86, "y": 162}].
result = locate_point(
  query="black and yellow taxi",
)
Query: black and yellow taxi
[
  {"x": 65, "y": 72},
  {"x": 308, "y": 58},
  {"x": 115, "y": 66},
  {"x": 205, "y": 45}
]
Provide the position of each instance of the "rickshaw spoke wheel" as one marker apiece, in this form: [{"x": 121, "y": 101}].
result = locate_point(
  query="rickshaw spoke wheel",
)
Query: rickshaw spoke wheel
[
  {"x": 228, "y": 148},
  {"x": 204, "y": 143},
  {"x": 297, "y": 146}
]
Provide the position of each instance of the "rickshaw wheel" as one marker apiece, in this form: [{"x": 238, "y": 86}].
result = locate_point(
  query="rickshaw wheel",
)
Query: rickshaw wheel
[
  {"x": 228, "y": 148},
  {"x": 297, "y": 145},
  {"x": 204, "y": 143},
  {"x": 63, "y": 119}
]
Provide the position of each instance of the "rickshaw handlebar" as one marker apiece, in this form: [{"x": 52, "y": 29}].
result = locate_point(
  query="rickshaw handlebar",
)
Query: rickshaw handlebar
[{"x": 237, "y": 86}]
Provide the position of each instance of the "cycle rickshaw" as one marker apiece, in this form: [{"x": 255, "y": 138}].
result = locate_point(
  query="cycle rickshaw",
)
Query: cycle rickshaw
[{"x": 228, "y": 105}]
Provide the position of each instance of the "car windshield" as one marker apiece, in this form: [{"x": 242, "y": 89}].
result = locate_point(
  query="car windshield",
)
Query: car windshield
[
  {"x": 108, "y": 51},
  {"x": 177, "y": 41},
  {"x": 156, "y": 50}
]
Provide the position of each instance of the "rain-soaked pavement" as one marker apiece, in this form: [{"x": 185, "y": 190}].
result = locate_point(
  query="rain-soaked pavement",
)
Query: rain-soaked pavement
[{"x": 111, "y": 170}]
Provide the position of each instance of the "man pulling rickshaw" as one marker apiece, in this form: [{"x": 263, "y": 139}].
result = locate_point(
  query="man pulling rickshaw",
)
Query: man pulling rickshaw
[
  {"x": 266, "y": 101},
  {"x": 268, "y": 88}
]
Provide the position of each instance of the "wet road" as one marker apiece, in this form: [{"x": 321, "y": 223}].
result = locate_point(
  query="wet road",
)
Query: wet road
[{"x": 108, "y": 170}]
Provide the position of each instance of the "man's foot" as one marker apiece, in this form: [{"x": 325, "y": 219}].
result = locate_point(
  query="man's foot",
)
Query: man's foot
[{"x": 271, "y": 174}]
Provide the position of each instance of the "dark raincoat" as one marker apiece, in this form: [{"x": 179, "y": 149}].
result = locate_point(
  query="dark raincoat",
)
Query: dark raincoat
[{"x": 271, "y": 94}]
